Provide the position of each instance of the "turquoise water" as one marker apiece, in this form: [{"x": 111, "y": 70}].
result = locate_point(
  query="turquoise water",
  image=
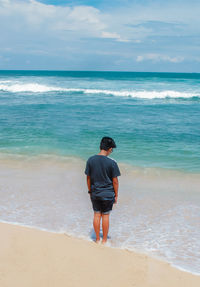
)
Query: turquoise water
[{"x": 154, "y": 117}]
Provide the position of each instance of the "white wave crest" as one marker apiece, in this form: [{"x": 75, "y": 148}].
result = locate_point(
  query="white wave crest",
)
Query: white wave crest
[
  {"x": 34, "y": 88},
  {"x": 145, "y": 94},
  {"x": 4, "y": 82},
  {"x": 39, "y": 88}
]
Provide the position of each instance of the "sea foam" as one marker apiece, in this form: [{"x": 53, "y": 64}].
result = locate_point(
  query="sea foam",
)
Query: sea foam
[{"x": 142, "y": 94}]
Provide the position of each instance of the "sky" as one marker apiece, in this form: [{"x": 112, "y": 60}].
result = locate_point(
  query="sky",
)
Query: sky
[{"x": 114, "y": 35}]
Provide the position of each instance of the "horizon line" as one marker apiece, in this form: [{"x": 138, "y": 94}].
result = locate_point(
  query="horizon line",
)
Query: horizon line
[{"x": 98, "y": 71}]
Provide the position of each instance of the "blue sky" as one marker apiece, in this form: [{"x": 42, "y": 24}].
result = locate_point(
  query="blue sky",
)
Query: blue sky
[{"x": 120, "y": 35}]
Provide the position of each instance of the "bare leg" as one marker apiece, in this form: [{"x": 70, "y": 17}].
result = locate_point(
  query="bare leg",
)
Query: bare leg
[
  {"x": 105, "y": 226},
  {"x": 96, "y": 224}
]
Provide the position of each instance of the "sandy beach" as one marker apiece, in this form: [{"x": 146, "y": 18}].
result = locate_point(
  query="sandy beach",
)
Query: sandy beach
[{"x": 31, "y": 257}]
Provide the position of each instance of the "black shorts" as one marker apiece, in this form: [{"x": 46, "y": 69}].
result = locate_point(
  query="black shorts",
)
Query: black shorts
[{"x": 102, "y": 205}]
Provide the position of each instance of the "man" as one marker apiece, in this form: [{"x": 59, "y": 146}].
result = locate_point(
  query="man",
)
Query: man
[{"x": 102, "y": 181}]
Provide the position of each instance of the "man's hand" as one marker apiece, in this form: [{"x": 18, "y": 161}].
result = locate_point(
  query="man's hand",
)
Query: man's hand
[
  {"x": 88, "y": 182},
  {"x": 115, "y": 186}
]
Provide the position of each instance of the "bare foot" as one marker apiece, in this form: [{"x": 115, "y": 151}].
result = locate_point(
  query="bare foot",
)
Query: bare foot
[
  {"x": 104, "y": 241},
  {"x": 97, "y": 240}
]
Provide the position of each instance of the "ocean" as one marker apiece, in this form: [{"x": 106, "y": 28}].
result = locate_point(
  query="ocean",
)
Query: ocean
[{"x": 52, "y": 121}]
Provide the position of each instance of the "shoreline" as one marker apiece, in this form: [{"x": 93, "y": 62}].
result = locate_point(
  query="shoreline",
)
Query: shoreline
[
  {"x": 40, "y": 258},
  {"x": 133, "y": 250},
  {"x": 61, "y": 158}
]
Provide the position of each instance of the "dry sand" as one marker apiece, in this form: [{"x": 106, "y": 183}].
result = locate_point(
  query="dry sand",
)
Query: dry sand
[{"x": 30, "y": 257}]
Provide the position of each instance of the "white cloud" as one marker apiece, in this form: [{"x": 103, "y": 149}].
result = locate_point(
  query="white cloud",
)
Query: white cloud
[
  {"x": 127, "y": 24},
  {"x": 158, "y": 58},
  {"x": 113, "y": 36},
  {"x": 110, "y": 35},
  {"x": 4, "y": 2},
  {"x": 85, "y": 21},
  {"x": 74, "y": 33}
]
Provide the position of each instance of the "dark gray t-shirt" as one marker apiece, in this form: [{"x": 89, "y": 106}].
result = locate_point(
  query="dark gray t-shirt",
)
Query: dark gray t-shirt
[{"x": 101, "y": 170}]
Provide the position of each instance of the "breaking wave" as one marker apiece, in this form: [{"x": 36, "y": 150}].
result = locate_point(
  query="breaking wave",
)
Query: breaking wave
[{"x": 39, "y": 88}]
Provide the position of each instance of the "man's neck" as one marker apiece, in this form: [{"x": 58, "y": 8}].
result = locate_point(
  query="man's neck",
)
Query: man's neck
[{"x": 103, "y": 152}]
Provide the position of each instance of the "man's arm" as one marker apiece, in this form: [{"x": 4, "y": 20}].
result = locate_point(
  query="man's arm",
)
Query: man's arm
[
  {"x": 88, "y": 183},
  {"x": 115, "y": 186}
]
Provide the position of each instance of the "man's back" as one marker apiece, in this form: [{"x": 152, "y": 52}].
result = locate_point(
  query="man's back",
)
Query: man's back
[{"x": 102, "y": 170}]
